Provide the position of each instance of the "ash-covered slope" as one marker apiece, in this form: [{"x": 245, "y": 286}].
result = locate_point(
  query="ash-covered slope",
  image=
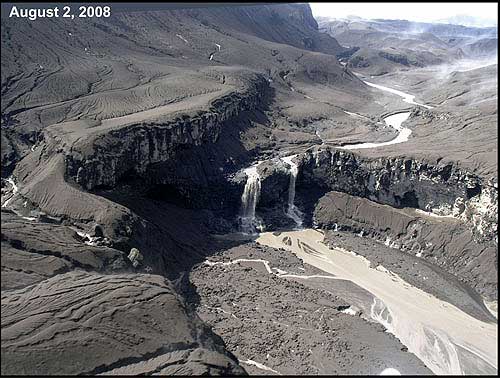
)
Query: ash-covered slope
[
  {"x": 291, "y": 24},
  {"x": 97, "y": 86},
  {"x": 464, "y": 117},
  {"x": 123, "y": 143},
  {"x": 57, "y": 70},
  {"x": 70, "y": 306},
  {"x": 142, "y": 109}
]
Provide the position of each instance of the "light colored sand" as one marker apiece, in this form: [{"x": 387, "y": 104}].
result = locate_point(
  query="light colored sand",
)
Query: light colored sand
[{"x": 435, "y": 331}]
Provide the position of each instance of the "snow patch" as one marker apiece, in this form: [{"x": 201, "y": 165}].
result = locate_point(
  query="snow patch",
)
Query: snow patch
[
  {"x": 181, "y": 37},
  {"x": 13, "y": 191},
  {"x": 260, "y": 366},
  {"x": 89, "y": 240},
  {"x": 349, "y": 311},
  {"x": 390, "y": 371}
]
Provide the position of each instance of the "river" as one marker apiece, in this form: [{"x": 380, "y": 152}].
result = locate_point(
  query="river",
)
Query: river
[
  {"x": 395, "y": 121},
  {"x": 446, "y": 339}
]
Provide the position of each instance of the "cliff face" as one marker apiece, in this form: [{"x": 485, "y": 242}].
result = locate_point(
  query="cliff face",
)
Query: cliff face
[
  {"x": 398, "y": 182},
  {"x": 455, "y": 228},
  {"x": 136, "y": 148},
  {"x": 198, "y": 69},
  {"x": 134, "y": 130},
  {"x": 187, "y": 155},
  {"x": 439, "y": 212},
  {"x": 291, "y": 24},
  {"x": 74, "y": 158},
  {"x": 59, "y": 71}
]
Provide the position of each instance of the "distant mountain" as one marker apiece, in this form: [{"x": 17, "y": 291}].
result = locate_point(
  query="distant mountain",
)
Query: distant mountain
[
  {"x": 379, "y": 46},
  {"x": 471, "y": 21}
]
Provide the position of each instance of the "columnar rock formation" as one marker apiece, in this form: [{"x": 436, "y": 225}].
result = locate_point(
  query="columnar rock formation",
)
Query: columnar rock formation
[{"x": 442, "y": 189}]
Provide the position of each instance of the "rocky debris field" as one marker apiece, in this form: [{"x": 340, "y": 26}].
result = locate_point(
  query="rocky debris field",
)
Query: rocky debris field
[
  {"x": 90, "y": 323},
  {"x": 290, "y": 326}
]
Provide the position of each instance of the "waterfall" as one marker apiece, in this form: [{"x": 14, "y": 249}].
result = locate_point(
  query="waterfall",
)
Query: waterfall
[
  {"x": 292, "y": 211},
  {"x": 248, "y": 221},
  {"x": 12, "y": 193}
]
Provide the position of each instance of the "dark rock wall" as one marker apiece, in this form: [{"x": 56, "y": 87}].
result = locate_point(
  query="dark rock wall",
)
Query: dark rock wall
[
  {"x": 399, "y": 182},
  {"x": 135, "y": 148}
]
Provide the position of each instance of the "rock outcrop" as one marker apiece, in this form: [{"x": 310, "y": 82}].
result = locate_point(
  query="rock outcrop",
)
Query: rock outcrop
[
  {"x": 89, "y": 323},
  {"x": 124, "y": 143},
  {"x": 134, "y": 149},
  {"x": 93, "y": 156},
  {"x": 442, "y": 189},
  {"x": 438, "y": 211}
]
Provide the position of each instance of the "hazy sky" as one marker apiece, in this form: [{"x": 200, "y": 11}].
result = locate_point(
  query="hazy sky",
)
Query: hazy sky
[{"x": 407, "y": 11}]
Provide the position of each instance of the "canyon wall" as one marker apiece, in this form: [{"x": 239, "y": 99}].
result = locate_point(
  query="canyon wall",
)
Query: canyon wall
[
  {"x": 442, "y": 189},
  {"x": 134, "y": 149},
  {"x": 446, "y": 242}
]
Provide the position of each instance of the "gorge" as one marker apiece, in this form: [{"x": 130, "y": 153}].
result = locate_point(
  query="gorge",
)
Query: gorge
[{"x": 228, "y": 190}]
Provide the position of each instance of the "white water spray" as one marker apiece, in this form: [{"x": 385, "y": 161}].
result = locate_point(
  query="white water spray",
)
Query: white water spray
[
  {"x": 249, "y": 199},
  {"x": 292, "y": 211}
]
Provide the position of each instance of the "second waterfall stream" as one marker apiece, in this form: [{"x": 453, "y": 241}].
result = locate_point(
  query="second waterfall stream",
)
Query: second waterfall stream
[{"x": 292, "y": 211}]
